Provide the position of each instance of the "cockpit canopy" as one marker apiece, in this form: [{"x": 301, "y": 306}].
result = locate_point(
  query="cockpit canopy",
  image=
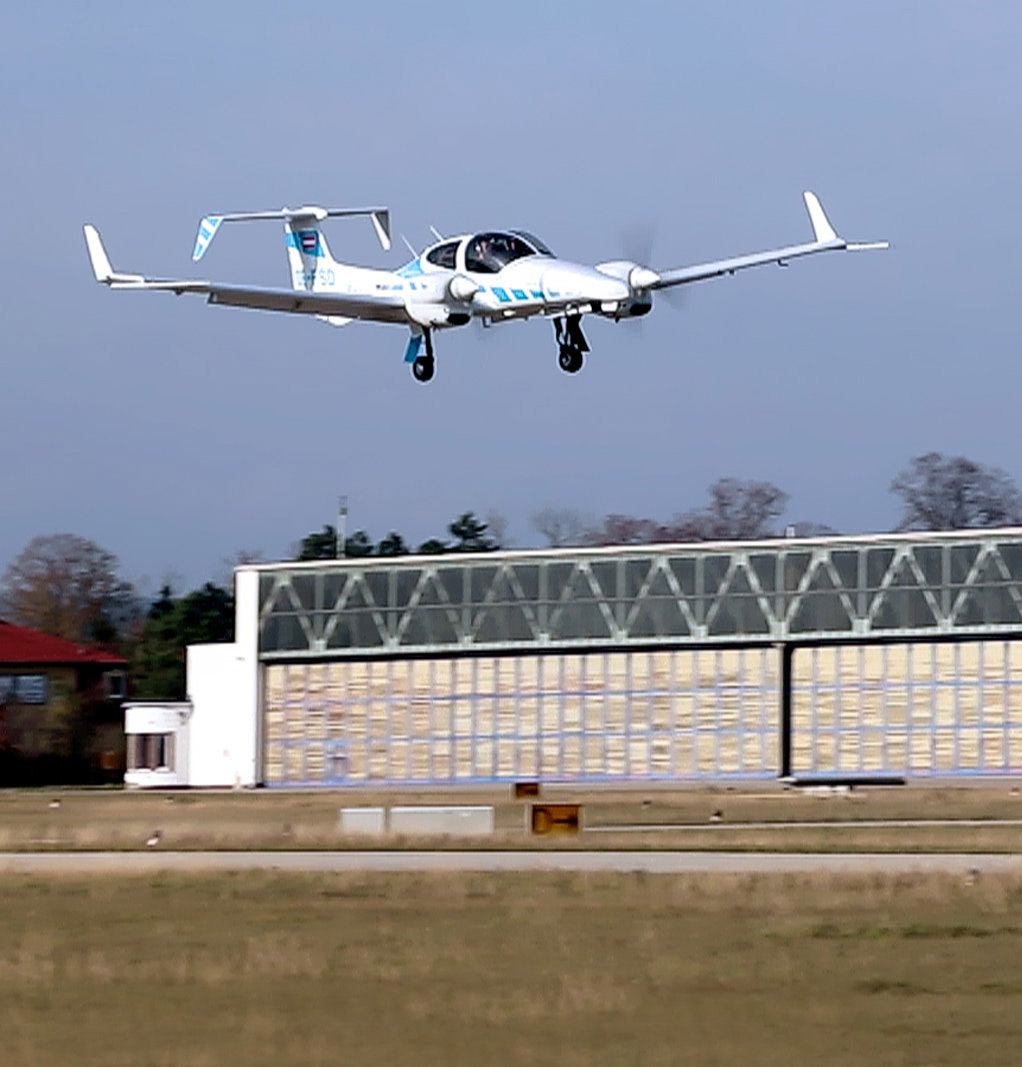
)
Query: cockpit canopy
[
  {"x": 487, "y": 253},
  {"x": 444, "y": 255}
]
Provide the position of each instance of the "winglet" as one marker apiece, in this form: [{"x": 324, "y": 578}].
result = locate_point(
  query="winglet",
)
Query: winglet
[
  {"x": 822, "y": 229},
  {"x": 101, "y": 261},
  {"x": 97, "y": 254}
]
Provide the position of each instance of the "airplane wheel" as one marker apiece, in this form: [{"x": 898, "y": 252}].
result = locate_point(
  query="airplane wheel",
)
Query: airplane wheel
[
  {"x": 569, "y": 359},
  {"x": 423, "y": 369}
]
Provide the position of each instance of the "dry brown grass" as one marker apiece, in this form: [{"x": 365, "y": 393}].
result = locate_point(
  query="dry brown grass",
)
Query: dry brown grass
[
  {"x": 269, "y": 819},
  {"x": 510, "y": 969}
]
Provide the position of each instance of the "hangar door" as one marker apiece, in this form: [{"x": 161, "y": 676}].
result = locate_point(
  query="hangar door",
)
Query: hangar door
[{"x": 605, "y": 716}]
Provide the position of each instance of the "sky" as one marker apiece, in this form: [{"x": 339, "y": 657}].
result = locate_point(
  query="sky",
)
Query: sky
[{"x": 177, "y": 435}]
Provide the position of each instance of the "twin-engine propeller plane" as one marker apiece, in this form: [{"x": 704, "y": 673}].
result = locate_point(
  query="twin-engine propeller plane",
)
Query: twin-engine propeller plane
[{"x": 492, "y": 276}]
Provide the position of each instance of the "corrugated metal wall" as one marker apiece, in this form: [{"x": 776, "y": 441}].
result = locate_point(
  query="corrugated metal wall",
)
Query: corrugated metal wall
[{"x": 912, "y": 709}]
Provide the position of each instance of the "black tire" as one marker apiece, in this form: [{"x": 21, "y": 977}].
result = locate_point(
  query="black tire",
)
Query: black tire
[
  {"x": 423, "y": 369},
  {"x": 569, "y": 359}
]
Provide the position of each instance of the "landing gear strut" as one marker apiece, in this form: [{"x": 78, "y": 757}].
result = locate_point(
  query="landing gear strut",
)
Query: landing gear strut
[
  {"x": 424, "y": 367},
  {"x": 571, "y": 344}
]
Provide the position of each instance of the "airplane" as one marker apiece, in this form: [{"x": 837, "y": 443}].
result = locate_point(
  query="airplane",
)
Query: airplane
[{"x": 492, "y": 276}]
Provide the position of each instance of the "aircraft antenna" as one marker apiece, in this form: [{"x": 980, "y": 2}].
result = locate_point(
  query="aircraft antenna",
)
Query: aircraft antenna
[
  {"x": 408, "y": 245},
  {"x": 436, "y": 233}
]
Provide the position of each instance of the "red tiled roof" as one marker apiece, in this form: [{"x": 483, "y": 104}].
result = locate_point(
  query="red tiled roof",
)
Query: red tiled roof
[{"x": 21, "y": 645}]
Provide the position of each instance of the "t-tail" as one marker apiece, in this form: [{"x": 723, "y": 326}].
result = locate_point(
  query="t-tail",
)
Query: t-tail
[{"x": 311, "y": 266}]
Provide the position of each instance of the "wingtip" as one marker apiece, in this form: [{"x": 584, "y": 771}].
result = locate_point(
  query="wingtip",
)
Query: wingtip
[
  {"x": 97, "y": 254},
  {"x": 823, "y": 231}
]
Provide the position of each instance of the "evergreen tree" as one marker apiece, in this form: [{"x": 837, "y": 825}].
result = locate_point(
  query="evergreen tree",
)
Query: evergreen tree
[{"x": 470, "y": 535}]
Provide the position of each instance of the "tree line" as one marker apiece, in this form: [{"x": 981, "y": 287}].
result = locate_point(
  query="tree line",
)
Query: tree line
[
  {"x": 70, "y": 587},
  {"x": 467, "y": 534}
]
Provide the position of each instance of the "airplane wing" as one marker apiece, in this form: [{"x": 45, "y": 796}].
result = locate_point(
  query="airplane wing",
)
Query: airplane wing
[
  {"x": 378, "y": 307},
  {"x": 824, "y": 240}
]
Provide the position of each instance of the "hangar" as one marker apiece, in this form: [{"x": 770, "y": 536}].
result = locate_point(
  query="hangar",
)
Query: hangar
[{"x": 845, "y": 656}]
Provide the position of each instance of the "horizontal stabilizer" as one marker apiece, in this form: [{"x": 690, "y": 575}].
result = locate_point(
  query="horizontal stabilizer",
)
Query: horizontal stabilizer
[{"x": 209, "y": 224}]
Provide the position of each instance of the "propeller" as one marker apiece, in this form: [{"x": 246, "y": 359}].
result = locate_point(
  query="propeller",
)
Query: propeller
[{"x": 637, "y": 241}]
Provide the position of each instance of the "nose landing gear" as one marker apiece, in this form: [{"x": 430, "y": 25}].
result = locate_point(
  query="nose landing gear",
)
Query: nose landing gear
[{"x": 571, "y": 343}]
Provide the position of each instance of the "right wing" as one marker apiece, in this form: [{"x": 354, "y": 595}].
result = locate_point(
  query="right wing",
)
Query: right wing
[
  {"x": 824, "y": 240},
  {"x": 384, "y": 306}
]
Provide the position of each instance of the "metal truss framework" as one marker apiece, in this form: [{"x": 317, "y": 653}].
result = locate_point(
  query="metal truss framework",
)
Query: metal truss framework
[{"x": 890, "y": 587}]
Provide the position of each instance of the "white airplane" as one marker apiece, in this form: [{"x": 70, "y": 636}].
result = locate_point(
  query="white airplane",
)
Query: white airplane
[{"x": 492, "y": 276}]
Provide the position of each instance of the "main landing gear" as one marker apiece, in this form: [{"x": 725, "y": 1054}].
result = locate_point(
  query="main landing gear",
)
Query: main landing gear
[
  {"x": 424, "y": 367},
  {"x": 571, "y": 343}
]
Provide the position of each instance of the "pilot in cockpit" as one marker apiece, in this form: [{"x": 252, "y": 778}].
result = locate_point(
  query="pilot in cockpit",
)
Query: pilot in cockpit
[{"x": 486, "y": 254}]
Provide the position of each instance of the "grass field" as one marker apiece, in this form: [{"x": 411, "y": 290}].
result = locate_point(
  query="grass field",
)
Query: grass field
[
  {"x": 261, "y": 969},
  {"x": 114, "y": 819}
]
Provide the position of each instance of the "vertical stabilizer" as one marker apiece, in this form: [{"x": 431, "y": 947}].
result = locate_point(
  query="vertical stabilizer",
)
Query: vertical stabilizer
[{"x": 308, "y": 254}]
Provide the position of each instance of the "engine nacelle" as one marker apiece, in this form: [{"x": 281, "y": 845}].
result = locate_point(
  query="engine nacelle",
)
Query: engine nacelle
[
  {"x": 461, "y": 289},
  {"x": 639, "y": 279},
  {"x": 435, "y": 315}
]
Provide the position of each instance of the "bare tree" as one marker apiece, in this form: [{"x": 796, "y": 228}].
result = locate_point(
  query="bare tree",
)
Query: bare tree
[
  {"x": 624, "y": 530},
  {"x": 229, "y": 564},
  {"x": 738, "y": 511},
  {"x": 561, "y": 527},
  {"x": 741, "y": 511},
  {"x": 941, "y": 492},
  {"x": 67, "y": 586},
  {"x": 496, "y": 522}
]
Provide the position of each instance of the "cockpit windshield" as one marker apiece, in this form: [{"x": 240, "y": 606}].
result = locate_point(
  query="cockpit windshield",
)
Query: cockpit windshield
[
  {"x": 534, "y": 241},
  {"x": 487, "y": 253}
]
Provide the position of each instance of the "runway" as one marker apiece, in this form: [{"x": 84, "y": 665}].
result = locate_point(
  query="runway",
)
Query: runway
[
  {"x": 617, "y": 861},
  {"x": 817, "y": 824}
]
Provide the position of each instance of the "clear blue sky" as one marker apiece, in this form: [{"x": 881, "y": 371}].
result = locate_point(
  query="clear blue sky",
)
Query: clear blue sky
[{"x": 176, "y": 434}]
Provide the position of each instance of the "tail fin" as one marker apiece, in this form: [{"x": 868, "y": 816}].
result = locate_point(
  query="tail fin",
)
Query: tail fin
[{"x": 308, "y": 254}]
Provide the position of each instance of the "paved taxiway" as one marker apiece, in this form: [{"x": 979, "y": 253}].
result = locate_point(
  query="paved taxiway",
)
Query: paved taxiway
[
  {"x": 651, "y": 862},
  {"x": 817, "y": 824}
]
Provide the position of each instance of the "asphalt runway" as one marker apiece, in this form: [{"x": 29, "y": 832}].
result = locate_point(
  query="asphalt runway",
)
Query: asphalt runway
[
  {"x": 835, "y": 824},
  {"x": 621, "y": 861}
]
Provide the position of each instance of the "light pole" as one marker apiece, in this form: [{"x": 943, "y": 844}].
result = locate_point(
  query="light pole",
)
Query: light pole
[{"x": 342, "y": 524}]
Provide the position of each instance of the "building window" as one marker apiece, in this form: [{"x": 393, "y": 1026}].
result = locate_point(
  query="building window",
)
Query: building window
[
  {"x": 115, "y": 685},
  {"x": 24, "y": 689},
  {"x": 150, "y": 752}
]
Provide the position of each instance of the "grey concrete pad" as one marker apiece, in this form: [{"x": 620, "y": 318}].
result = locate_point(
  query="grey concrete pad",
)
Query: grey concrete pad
[{"x": 650, "y": 862}]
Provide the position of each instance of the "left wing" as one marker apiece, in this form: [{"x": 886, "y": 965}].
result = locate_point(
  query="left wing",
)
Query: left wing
[
  {"x": 824, "y": 240},
  {"x": 373, "y": 307}
]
